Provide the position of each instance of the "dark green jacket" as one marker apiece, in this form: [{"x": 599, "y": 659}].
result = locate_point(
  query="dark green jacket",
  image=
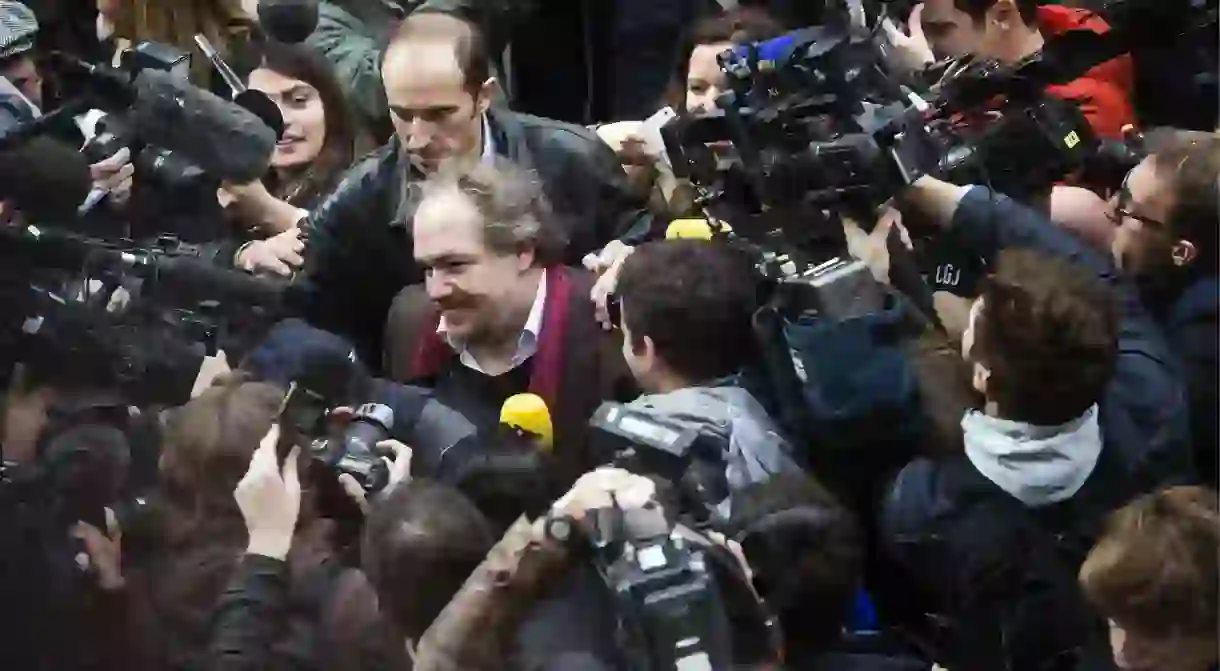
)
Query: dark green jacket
[{"x": 353, "y": 34}]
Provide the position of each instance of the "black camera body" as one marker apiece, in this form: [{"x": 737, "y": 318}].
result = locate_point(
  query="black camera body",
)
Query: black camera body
[
  {"x": 648, "y": 445},
  {"x": 353, "y": 452}
]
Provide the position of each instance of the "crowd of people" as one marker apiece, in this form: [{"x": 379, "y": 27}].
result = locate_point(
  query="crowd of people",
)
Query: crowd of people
[{"x": 468, "y": 208}]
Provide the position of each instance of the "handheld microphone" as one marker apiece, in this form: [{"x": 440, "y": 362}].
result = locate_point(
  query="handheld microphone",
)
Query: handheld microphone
[
  {"x": 289, "y": 21},
  {"x": 698, "y": 228},
  {"x": 528, "y": 415}
]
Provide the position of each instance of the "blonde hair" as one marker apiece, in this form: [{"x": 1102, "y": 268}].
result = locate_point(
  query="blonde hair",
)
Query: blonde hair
[{"x": 176, "y": 22}]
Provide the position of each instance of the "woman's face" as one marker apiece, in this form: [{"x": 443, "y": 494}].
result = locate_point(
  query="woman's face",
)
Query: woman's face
[
  {"x": 704, "y": 79},
  {"x": 108, "y": 8},
  {"x": 304, "y": 117}
]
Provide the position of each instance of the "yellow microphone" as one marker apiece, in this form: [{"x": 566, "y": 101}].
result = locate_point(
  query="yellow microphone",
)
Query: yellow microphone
[
  {"x": 698, "y": 229},
  {"x": 528, "y": 415}
]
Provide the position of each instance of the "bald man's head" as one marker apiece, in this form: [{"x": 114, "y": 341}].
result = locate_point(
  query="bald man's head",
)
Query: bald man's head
[
  {"x": 425, "y": 29},
  {"x": 438, "y": 85}
]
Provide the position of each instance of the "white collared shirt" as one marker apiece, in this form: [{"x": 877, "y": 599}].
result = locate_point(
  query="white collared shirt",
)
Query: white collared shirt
[
  {"x": 527, "y": 343},
  {"x": 489, "y": 148}
]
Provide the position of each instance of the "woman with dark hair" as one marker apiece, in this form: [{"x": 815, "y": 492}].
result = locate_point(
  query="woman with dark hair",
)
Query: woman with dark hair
[
  {"x": 697, "y": 81},
  {"x": 322, "y": 137}
]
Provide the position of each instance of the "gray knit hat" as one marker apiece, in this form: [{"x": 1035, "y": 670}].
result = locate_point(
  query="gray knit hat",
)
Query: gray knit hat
[{"x": 18, "y": 26}]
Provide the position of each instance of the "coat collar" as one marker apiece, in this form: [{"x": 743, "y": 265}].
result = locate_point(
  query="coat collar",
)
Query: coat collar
[{"x": 507, "y": 141}]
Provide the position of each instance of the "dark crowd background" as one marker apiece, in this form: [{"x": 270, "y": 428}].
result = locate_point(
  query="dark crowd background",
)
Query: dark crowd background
[{"x": 609, "y": 334}]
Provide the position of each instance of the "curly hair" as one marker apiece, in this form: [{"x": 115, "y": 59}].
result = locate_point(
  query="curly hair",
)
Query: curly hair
[{"x": 515, "y": 211}]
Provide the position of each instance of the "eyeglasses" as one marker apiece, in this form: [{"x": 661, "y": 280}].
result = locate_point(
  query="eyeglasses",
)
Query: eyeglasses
[{"x": 1122, "y": 209}]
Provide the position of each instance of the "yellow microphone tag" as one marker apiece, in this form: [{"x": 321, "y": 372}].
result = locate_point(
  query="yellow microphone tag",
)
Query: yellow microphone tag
[
  {"x": 698, "y": 229},
  {"x": 528, "y": 413}
]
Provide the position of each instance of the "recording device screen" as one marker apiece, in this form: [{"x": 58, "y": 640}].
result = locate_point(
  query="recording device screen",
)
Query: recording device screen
[{"x": 303, "y": 411}]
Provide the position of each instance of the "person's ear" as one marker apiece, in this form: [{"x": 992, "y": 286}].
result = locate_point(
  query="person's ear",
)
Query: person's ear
[
  {"x": 644, "y": 349},
  {"x": 525, "y": 259},
  {"x": 1183, "y": 253},
  {"x": 486, "y": 93},
  {"x": 981, "y": 375}
]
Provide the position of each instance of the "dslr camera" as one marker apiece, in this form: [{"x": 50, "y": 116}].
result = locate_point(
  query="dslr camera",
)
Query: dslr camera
[{"x": 353, "y": 451}]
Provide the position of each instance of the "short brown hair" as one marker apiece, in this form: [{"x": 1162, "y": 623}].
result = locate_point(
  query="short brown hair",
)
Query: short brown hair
[
  {"x": 210, "y": 440},
  {"x": 1048, "y": 332},
  {"x": 469, "y": 43},
  {"x": 1155, "y": 570},
  {"x": 1191, "y": 161},
  {"x": 516, "y": 213},
  {"x": 419, "y": 546}
]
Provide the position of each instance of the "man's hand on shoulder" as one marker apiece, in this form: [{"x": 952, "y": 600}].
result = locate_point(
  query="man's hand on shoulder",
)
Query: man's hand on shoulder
[{"x": 279, "y": 254}]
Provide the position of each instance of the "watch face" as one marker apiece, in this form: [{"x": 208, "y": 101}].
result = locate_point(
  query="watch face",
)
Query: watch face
[{"x": 560, "y": 529}]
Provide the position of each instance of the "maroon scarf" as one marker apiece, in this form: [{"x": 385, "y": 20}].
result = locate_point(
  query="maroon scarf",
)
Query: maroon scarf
[{"x": 432, "y": 352}]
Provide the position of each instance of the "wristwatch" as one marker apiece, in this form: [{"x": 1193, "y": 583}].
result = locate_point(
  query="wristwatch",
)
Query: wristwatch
[{"x": 559, "y": 528}]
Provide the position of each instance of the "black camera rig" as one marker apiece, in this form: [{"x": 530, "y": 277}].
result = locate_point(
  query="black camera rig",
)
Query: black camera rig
[{"x": 818, "y": 118}]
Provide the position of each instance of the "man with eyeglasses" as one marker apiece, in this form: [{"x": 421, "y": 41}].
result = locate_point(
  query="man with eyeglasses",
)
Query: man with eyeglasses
[
  {"x": 1167, "y": 215},
  {"x": 1162, "y": 275}
]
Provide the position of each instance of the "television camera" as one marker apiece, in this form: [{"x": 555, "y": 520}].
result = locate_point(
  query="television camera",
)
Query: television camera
[
  {"x": 818, "y": 116},
  {"x": 821, "y": 128},
  {"x": 642, "y": 443},
  {"x": 679, "y": 606}
]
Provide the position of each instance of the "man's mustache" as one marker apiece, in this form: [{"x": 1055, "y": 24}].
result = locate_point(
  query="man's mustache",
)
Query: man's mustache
[{"x": 456, "y": 302}]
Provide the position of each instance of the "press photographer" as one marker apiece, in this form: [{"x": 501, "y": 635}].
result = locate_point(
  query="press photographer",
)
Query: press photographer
[
  {"x": 685, "y": 310},
  {"x": 1011, "y": 31},
  {"x": 1134, "y": 373},
  {"x": 19, "y": 65},
  {"x": 72, "y": 446}
]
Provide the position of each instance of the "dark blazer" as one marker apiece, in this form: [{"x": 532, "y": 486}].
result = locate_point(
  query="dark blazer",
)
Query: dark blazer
[
  {"x": 578, "y": 366},
  {"x": 358, "y": 252},
  {"x": 1190, "y": 323}
]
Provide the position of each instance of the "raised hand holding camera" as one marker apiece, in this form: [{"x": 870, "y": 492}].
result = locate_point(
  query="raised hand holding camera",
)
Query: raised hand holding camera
[{"x": 270, "y": 498}]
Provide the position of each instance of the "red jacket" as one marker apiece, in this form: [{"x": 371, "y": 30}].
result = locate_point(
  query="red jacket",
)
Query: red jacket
[{"x": 1104, "y": 92}]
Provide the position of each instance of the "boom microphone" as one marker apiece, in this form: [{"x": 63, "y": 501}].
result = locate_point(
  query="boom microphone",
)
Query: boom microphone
[
  {"x": 193, "y": 279},
  {"x": 224, "y": 139},
  {"x": 289, "y": 21}
]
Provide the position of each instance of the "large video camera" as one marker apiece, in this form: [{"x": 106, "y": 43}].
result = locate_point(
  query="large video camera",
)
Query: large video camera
[
  {"x": 817, "y": 117},
  {"x": 671, "y": 612},
  {"x": 116, "y": 130},
  {"x": 641, "y": 443}
]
